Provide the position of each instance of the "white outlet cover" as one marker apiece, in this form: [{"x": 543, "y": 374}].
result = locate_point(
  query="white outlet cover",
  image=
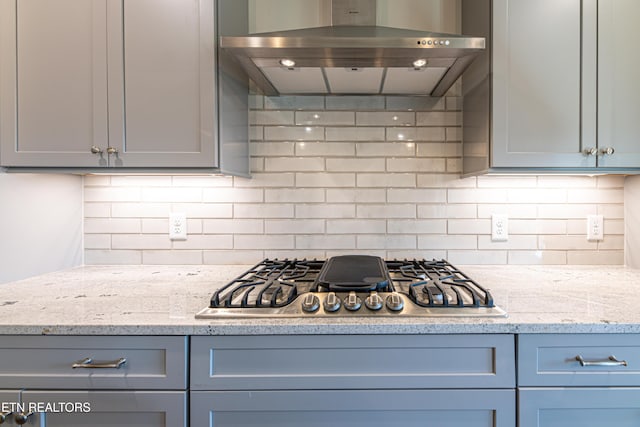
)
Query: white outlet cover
[
  {"x": 499, "y": 228},
  {"x": 595, "y": 227},
  {"x": 177, "y": 226}
]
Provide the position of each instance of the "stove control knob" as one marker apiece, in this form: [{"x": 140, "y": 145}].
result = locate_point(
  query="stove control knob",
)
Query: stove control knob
[
  {"x": 394, "y": 302},
  {"x": 331, "y": 302},
  {"x": 310, "y": 303},
  {"x": 373, "y": 301},
  {"x": 352, "y": 302}
]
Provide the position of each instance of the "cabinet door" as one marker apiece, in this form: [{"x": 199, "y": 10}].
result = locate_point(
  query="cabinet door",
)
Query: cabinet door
[
  {"x": 593, "y": 407},
  {"x": 618, "y": 83},
  {"x": 342, "y": 408},
  {"x": 161, "y": 83},
  {"x": 538, "y": 85},
  {"x": 107, "y": 408},
  {"x": 53, "y": 82},
  {"x": 9, "y": 404}
]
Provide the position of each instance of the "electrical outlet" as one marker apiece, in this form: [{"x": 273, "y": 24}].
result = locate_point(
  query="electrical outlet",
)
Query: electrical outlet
[
  {"x": 177, "y": 226},
  {"x": 499, "y": 228},
  {"x": 595, "y": 227}
]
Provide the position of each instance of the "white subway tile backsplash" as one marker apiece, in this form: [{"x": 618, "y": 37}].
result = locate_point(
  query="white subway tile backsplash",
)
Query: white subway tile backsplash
[
  {"x": 356, "y": 226},
  {"x": 325, "y": 149},
  {"x": 317, "y": 118},
  {"x": 205, "y": 241},
  {"x": 514, "y": 242},
  {"x": 232, "y": 195},
  {"x": 390, "y": 118},
  {"x": 262, "y": 241},
  {"x": 112, "y": 225},
  {"x": 267, "y": 149},
  {"x": 355, "y": 103},
  {"x": 181, "y": 257},
  {"x": 294, "y": 102},
  {"x": 112, "y": 257},
  {"x": 233, "y": 226},
  {"x": 140, "y": 241},
  {"x": 271, "y": 117},
  {"x": 355, "y": 134},
  {"x": 459, "y": 257},
  {"x": 97, "y": 210},
  {"x": 248, "y": 257},
  {"x": 293, "y": 133},
  {"x": 447, "y": 211},
  {"x": 172, "y": 194},
  {"x": 439, "y": 118},
  {"x": 348, "y": 195},
  {"x": 294, "y": 195},
  {"x": 294, "y": 164},
  {"x": 326, "y": 210},
  {"x": 355, "y": 165},
  {"x": 386, "y": 180},
  {"x": 445, "y": 241},
  {"x": 385, "y": 242},
  {"x": 294, "y": 226},
  {"x": 469, "y": 226},
  {"x": 384, "y": 149},
  {"x": 97, "y": 241},
  {"x": 595, "y": 257},
  {"x": 417, "y": 227},
  {"x": 351, "y": 175},
  {"x": 386, "y": 211},
  {"x": 416, "y": 195},
  {"x": 257, "y": 210},
  {"x": 326, "y": 180},
  {"x": 325, "y": 242}
]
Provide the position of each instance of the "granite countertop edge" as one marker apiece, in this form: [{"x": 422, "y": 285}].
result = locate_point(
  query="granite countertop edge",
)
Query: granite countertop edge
[{"x": 163, "y": 300}]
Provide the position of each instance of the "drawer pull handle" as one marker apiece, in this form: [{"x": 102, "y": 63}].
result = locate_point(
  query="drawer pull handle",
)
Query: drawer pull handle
[
  {"x": 88, "y": 363},
  {"x": 611, "y": 361},
  {"x": 22, "y": 418},
  {"x": 3, "y": 416}
]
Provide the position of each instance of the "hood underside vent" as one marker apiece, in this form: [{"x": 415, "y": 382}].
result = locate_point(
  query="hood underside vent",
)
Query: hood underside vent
[{"x": 353, "y": 60}]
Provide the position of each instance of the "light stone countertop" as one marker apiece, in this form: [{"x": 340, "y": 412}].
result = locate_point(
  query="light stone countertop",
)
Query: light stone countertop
[{"x": 163, "y": 300}]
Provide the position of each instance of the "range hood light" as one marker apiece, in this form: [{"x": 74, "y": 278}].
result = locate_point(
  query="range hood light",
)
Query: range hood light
[
  {"x": 419, "y": 63},
  {"x": 289, "y": 63}
]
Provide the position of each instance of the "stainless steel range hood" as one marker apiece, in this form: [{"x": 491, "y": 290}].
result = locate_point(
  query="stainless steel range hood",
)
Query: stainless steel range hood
[{"x": 353, "y": 56}]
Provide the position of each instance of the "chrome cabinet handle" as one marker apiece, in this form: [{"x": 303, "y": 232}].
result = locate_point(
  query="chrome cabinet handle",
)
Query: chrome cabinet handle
[
  {"x": 22, "y": 418},
  {"x": 112, "y": 150},
  {"x": 592, "y": 151},
  {"x": 611, "y": 361},
  {"x": 88, "y": 363},
  {"x": 3, "y": 416},
  {"x": 607, "y": 151},
  {"x": 96, "y": 150}
]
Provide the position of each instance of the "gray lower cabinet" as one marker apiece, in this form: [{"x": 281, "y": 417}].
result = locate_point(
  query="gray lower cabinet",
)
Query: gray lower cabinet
[
  {"x": 339, "y": 380},
  {"x": 89, "y": 84},
  {"x": 95, "y": 380},
  {"x": 582, "y": 380}
]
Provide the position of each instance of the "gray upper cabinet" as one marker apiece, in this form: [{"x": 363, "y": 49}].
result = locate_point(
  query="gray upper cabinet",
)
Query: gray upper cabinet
[
  {"x": 53, "y": 82},
  {"x": 618, "y": 83},
  {"x": 552, "y": 92},
  {"x": 118, "y": 84}
]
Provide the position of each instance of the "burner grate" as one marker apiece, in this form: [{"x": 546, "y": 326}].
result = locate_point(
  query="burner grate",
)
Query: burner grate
[{"x": 270, "y": 283}]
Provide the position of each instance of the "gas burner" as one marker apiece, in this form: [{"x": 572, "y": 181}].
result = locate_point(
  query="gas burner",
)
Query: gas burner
[{"x": 352, "y": 285}]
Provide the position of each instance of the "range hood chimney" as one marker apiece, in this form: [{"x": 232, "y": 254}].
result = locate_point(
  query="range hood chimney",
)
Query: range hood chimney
[{"x": 353, "y": 56}]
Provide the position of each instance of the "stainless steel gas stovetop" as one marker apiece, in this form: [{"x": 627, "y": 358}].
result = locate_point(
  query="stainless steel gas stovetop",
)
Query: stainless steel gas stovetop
[{"x": 352, "y": 285}]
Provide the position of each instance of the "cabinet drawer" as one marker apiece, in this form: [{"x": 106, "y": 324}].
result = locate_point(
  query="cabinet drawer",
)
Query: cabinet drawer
[
  {"x": 46, "y": 362},
  {"x": 551, "y": 360},
  {"x": 584, "y": 407},
  {"x": 352, "y": 362},
  {"x": 347, "y": 408}
]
